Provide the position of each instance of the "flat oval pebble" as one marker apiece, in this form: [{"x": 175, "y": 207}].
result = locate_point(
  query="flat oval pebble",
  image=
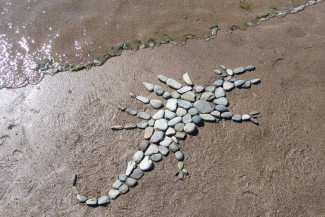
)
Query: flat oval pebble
[
  {"x": 117, "y": 184},
  {"x": 187, "y": 119},
  {"x": 113, "y": 194},
  {"x": 184, "y": 89},
  {"x": 228, "y": 85},
  {"x": 187, "y": 79},
  {"x": 223, "y": 67},
  {"x": 236, "y": 117},
  {"x": 171, "y": 105},
  {"x": 131, "y": 112},
  {"x": 169, "y": 115},
  {"x": 188, "y": 96},
  {"x": 184, "y": 104},
  {"x": 232, "y": 80},
  {"x": 221, "y": 101},
  {"x": 193, "y": 111},
  {"x": 218, "y": 83},
  {"x": 146, "y": 164},
  {"x": 207, "y": 96},
  {"x": 203, "y": 106},
  {"x": 122, "y": 108},
  {"x": 226, "y": 115},
  {"x": 157, "y": 136},
  {"x": 173, "y": 147},
  {"x": 175, "y": 139},
  {"x": 152, "y": 149},
  {"x": 174, "y": 121},
  {"x": 246, "y": 117},
  {"x": 167, "y": 140},
  {"x": 180, "y": 112},
  {"x": 180, "y": 165},
  {"x": 210, "y": 89},
  {"x": 189, "y": 128},
  {"x": 159, "y": 114},
  {"x": 91, "y": 202},
  {"x": 163, "y": 150},
  {"x": 216, "y": 114},
  {"x": 179, "y": 127},
  {"x": 166, "y": 95},
  {"x": 148, "y": 132},
  {"x": 197, "y": 119},
  {"x": 123, "y": 189},
  {"x": 198, "y": 96},
  {"x": 130, "y": 126},
  {"x": 250, "y": 68},
  {"x": 156, "y": 157},
  {"x": 132, "y": 95},
  {"x": 137, "y": 174},
  {"x": 229, "y": 72},
  {"x": 102, "y": 200},
  {"x": 162, "y": 78},
  {"x": 198, "y": 88},
  {"x": 170, "y": 132},
  {"x": 143, "y": 99},
  {"x": 131, "y": 166},
  {"x": 207, "y": 117},
  {"x": 175, "y": 95},
  {"x": 179, "y": 155},
  {"x": 143, "y": 145},
  {"x": 142, "y": 125},
  {"x": 148, "y": 86},
  {"x": 224, "y": 75},
  {"x": 138, "y": 156},
  {"x": 81, "y": 198},
  {"x": 155, "y": 103},
  {"x": 217, "y": 71},
  {"x": 122, "y": 177},
  {"x": 181, "y": 175},
  {"x": 239, "y": 70},
  {"x": 247, "y": 84},
  {"x": 117, "y": 127},
  {"x": 161, "y": 124},
  {"x": 131, "y": 182},
  {"x": 221, "y": 108},
  {"x": 180, "y": 135},
  {"x": 254, "y": 113},
  {"x": 228, "y": 78},
  {"x": 219, "y": 92},
  {"x": 255, "y": 81},
  {"x": 151, "y": 123},
  {"x": 173, "y": 84},
  {"x": 158, "y": 90},
  {"x": 239, "y": 83},
  {"x": 144, "y": 115}
]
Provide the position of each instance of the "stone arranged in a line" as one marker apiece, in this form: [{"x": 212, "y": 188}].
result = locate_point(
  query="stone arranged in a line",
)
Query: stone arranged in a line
[{"x": 187, "y": 107}]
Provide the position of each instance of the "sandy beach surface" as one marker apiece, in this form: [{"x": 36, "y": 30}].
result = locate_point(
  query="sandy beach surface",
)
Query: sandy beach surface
[{"x": 61, "y": 127}]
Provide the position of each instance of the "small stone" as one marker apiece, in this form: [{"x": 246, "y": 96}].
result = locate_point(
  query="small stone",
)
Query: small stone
[
  {"x": 174, "y": 121},
  {"x": 180, "y": 135},
  {"x": 131, "y": 112},
  {"x": 221, "y": 101},
  {"x": 130, "y": 182},
  {"x": 144, "y": 115},
  {"x": 228, "y": 85},
  {"x": 226, "y": 115},
  {"x": 239, "y": 83},
  {"x": 113, "y": 194},
  {"x": 175, "y": 139},
  {"x": 162, "y": 78},
  {"x": 203, "y": 106},
  {"x": 254, "y": 113},
  {"x": 232, "y": 80},
  {"x": 158, "y": 115},
  {"x": 169, "y": 115},
  {"x": 74, "y": 179},
  {"x": 187, "y": 79},
  {"x": 131, "y": 166},
  {"x": 142, "y": 125},
  {"x": 148, "y": 86},
  {"x": 229, "y": 72},
  {"x": 255, "y": 81},
  {"x": 171, "y": 105},
  {"x": 217, "y": 71},
  {"x": 167, "y": 140},
  {"x": 117, "y": 127},
  {"x": 148, "y": 132},
  {"x": 138, "y": 156},
  {"x": 218, "y": 83},
  {"x": 223, "y": 67},
  {"x": 181, "y": 175},
  {"x": 102, "y": 200},
  {"x": 245, "y": 117},
  {"x": 254, "y": 120},
  {"x": 173, "y": 147},
  {"x": 152, "y": 149},
  {"x": 75, "y": 190},
  {"x": 236, "y": 117},
  {"x": 198, "y": 88},
  {"x": 180, "y": 112},
  {"x": 161, "y": 124},
  {"x": 123, "y": 189},
  {"x": 216, "y": 114},
  {"x": 190, "y": 128},
  {"x": 180, "y": 165},
  {"x": 198, "y": 96},
  {"x": 228, "y": 78},
  {"x": 81, "y": 198},
  {"x": 179, "y": 127},
  {"x": 173, "y": 84},
  {"x": 155, "y": 103},
  {"x": 187, "y": 119},
  {"x": 122, "y": 108},
  {"x": 221, "y": 108},
  {"x": 197, "y": 119},
  {"x": 247, "y": 84},
  {"x": 156, "y": 157},
  {"x": 188, "y": 96},
  {"x": 166, "y": 95},
  {"x": 185, "y": 171},
  {"x": 151, "y": 123},
  {"x": 143, "y": 99},
  {"x": 175, "y": 95},
  {"x": 122, "y": 177},
  {"x": 220, "y": 77},
  {"x": 179, "y": 156},
  {"x": 207, "y": 117},
  {"x": 250, "y": 68},
  {"x": 239, "y": 70},
  {"x": 184, "y": 89},
  {"x": 210, "y": 88},
  {"x": 146, "y": 164},
  {"x": 170, "y": 132},
  {"x": 184, "y": 104},
  {"x": 207, "y": 96},
  {"x": 117, "y": 184},
  {"x": 132, "y": 95},
  {"x": 137, "y": 174},
  {"x": 158, "y": 90},
  {"x": 143, "y": 145},
  {"x": 193, "y": 111},
  {"x": 220, "y": 92},
  {"x": 91, "y": 202},
  {"x": 224, "y": 75},
  {"x": 163, "y": 150},
  {"x": 130, "y": 126}
]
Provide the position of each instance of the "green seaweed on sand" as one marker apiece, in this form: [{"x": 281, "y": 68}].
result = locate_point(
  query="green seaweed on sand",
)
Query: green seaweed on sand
[
  {"x": 124, "y": 46},
  {"x": 233, "y": 27},
  {"x": 213, "y": 27},
  {"x": 262, "y": 16},
  {"x": 78, "y": 68},
  {"x": 189, "y": 36},
  {"x": 44, "y": 65},
  {"x": 151, "y": 40},
  {"x": 245, "y": 6}
]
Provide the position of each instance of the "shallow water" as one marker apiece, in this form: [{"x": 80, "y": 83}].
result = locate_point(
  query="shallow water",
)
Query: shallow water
[{"x": 47, "y": 36}]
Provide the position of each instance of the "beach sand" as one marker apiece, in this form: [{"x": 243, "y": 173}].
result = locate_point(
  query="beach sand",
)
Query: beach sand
[{"x": 62, "y": 126}]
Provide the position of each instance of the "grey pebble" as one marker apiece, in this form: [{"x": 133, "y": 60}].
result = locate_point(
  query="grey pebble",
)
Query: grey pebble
[
  {"x": 180, "y": 112},
  {"x": 220, "y": 77},
  {"x": 136, "y": 174},
  {"x": 181, "y": 175},
  {"x": 175, "y": 95},
  {"x": 156, "y": 157},
  {"x": 221, "y": 101},
  {"x": 161, "y": 124},
  {"x": 185, "y": 171},
  {"x": 166, "y": 95},
  {"x": 122, "y": 108},
  {"x": 138, "y": 156},
  {"x": 239, "y": 70},
  {"x": 91, "y": 202},
  {"x": 170, "y": 132},
  {"x": 226, "y": 115},
  {"x": 180, "y": 135},
  {"x": 173, "y": 147},
  {"x": 74, "y": 180},
  {"x": 236, "y": 117},
  {"x": 198, "y": 88},
  {"x": 117, "y": 127},
  {"x": 255, "y": 81},
  {"x": 171, "y": 104},
  {"x": 104, "y": 199},
  {"x": 143, "y": 99},
  {"x": 130, "y": 126},
  {"x": 167, "y": 140},
  {"x": 113, "y": 194},
  {"x": 152, "y": 149},
  {"x": 158, "y": 90},
  {"x": 122, "y": 177},
  {"x": 224, "y": 75},
  {"x": 210, "y": 88},
  {"x": 193, "y": 111},
  {"x": 142, "y": 125},
  {"x": 197, "y": 119},
  {"x": 131, "y": 182},
  {"x": 203, "y": 106},
  {"x": 143, "y": 145},
  {"x": 207, "y": 96},
  {"x": 180, "y": 165},
  {"x": 123, "y": 189},
  {"x": 254, "y": 113},
  {"x": 162, "y": 78},
  {"x": 184, "y": 104},
  {"x": 173, "y": 84},
  {"x": 189, "y": 128},
  {"x": 187, "y": 119},
  {"x": 223, "y": 67},
  {"x": 81, "y": 198},
  {"x": 132, "y": 95},
  {"x": 151, "y": 123},
  {"x": 221, "y": 108},
  {"x": 217, "y": 71},
  {"x": 155, "y": 103},
  {"x": 146, "y": 164},
  {"x": 219, "y": 92},
  {"x": 148, "y": 86},
  {"x": 117, "y": 184},
  {"x": 188, "y": 96},
  {"x": 158, "y": 115},
  {"x": 218, "y": 83},
  {"x": 179, "y": 156},
  {"x": 169, "y": 115},
  {"x": 198, "y": 96},
  {"x": 232, "y": 80},
  {"x": 144, "y": 115},
  {"x": 179, "y": 127},
  {"x": 163, "y": 150},
  {"x": 207, "y": 117},
  {"x": 250, "y": 68},
  {"x": 174, "y": 121},
  {"x": 75, "y": 190},
  {"x": 239, "y": 83},
  {"x": 247, "y": 84},
  {"x": 184, "y": 89},
  {"x": 131, "y": 112},
  {"x": 216, "y": 114},
  {"x": 254, "y": 120},
  {"x": 228, "y": 86}
]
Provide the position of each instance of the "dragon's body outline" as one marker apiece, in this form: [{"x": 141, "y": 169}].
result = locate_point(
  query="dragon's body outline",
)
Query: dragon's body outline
[{"x": 186, "y": 109}]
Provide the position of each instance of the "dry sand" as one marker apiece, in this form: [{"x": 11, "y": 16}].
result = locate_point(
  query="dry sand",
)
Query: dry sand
[{"x": 62, "y": 126}]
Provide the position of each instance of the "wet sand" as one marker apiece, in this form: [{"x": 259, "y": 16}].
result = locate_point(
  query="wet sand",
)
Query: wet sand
[{"x": 62, "y": 126}]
